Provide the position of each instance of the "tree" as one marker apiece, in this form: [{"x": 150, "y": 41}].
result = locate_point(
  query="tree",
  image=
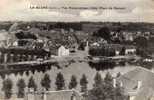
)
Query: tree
[
  {"x": 83, "y": 83},
  {"x": 81, "y": 46},
  {"x": 118, "y": 74},
  {"x": 60, "y": 82},
  {"x": 101, "y": 51},
  {"x": 97, "y": 80},
  {"x": 32, "y": 84},
  {"x": 119, "y": 93},
  {"x": 106, "y": 91},
  {"x": 109, "y": 89},
  {"x": 141, "y": 42},
  {"x": 23, "y": 35},
  {"x": 104, "y": 32},
  {"x": 21, "y": 86},
  {"x": 7, "y": 88},
  {"x": 97, "y": 93},
  {"x": 141, "y": 52},
  {"x": 73, "y": 83},
  {"x": 108, "y": 78},
  {"x": 45, "y": 82},
  {"x": 122, "y": 52}
]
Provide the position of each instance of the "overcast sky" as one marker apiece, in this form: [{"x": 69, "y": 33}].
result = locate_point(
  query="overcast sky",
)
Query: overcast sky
[{"x": 133, "y": 10}]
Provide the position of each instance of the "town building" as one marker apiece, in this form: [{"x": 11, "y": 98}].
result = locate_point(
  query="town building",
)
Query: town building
[
  {"x": 138, "y": 84},
  {"x": 128, "y": 36},
  {"x": 130, "y": 50},
  {"x": 62, "y": 51},
  {"x": 4, "y": 38},
  {"x": 54, "y": 95}
]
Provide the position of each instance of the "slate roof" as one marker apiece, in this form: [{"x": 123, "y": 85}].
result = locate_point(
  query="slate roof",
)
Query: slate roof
[{"x": 130, "y": 79}]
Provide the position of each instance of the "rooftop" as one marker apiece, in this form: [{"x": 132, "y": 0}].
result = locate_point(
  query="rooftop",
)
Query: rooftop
[
  {"x": 131, "y": 79},
  {"x": 60, "y": 95}
]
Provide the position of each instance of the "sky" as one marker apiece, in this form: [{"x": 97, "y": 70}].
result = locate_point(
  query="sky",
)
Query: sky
[{"x": 128, "y": 10}]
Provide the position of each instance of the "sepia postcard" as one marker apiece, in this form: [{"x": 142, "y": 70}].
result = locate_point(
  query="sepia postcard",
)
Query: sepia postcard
[{"x": 76, "y": 49}]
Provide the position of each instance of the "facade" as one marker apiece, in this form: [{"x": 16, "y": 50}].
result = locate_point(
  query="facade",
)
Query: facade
[
  {"x": 130, "y": 50},
  {"x": 128, "y": 36},
  {"x": 62, "y": 51},
  {"x": 4, "y": 38}
]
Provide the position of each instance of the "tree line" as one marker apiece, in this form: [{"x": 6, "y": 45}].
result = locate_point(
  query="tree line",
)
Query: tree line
[
  {"x": 45, "y": 83},
  {"x": 102, "y": 88}
]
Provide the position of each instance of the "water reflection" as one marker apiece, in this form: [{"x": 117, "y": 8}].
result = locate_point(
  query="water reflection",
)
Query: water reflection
[
  {"x": 101, "y": 66},
  {"x": 27, "y": 71}
]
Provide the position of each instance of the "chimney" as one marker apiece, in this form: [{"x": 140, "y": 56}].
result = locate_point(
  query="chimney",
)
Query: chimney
[
  {"x": 139, "y": 84},
  {"x": 114, "y": 82}
]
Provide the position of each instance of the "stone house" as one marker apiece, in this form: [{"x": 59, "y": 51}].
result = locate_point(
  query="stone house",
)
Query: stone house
[{"x": 138, "y": 84}]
